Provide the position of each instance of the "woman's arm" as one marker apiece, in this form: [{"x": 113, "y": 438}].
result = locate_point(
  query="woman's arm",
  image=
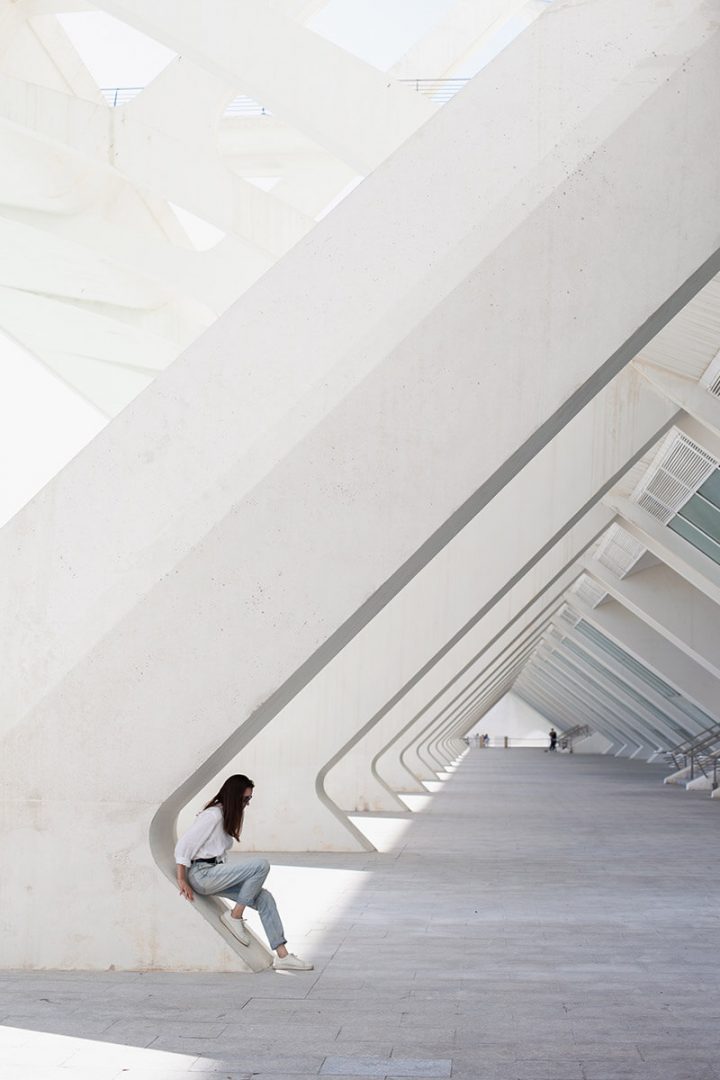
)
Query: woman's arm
[{"x": 183, "y": 883}]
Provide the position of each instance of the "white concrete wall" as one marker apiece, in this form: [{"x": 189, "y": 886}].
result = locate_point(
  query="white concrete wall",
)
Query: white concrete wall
[
  {"x": 514, "y": 718},
  {"x": 593, "y": 744}
]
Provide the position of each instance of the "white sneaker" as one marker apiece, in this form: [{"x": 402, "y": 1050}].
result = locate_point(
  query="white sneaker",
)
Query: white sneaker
[
  {"x": 236, "y": 927},
  {"x": 291, "y": 962}
]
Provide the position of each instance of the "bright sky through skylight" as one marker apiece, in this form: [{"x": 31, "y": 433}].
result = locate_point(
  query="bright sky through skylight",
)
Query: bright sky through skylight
[
  {"x": 497, "y": 41},
  {"x": 43, "y": 421},
  {"x": 379, "y": 31},
  {"x": 114, "y": 53},
  {"x": 201, "y": 234}
]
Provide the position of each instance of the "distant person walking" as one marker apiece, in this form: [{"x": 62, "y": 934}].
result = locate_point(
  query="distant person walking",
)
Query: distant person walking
[
  {"x": 553, "y": 739},
  {"x": 201, "y": 866}
]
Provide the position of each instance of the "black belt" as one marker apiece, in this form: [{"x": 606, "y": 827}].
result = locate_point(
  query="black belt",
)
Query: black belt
[{"x": 215, "y": 860}]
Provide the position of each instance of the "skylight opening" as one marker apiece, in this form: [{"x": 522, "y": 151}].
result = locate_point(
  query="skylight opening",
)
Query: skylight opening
[
  {"x": 356, "y": 180},
  {"x": 201, "y": 235},
  {"x": 379, "y": 32},
  {"x": 265, "y": 183},
  {"x": 44, "y": 422},
  {"x": 502, "y": 36},
  {"x": 115, "y": 54},
  {"x": 244, "y": 106}
]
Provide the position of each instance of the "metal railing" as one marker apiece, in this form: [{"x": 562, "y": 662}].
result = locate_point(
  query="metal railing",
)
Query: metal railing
[
  {"x": 566, "y": 739},
  {"x": 707, "y": 764},
  {"x": 699, "y": 755},
  {"x": 508, "y": 742},
  {"x": 243, "y": 105},
  {"x": 438, "y": 90},
  {"x": 120, "y": 95}
]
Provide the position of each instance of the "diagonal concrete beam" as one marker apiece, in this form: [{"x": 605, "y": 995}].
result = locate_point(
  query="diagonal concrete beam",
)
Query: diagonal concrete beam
[
  {"x": 290, "y": 70},
  {"x": 455, "y": 37},
  {"x": 198, "y": 182}
]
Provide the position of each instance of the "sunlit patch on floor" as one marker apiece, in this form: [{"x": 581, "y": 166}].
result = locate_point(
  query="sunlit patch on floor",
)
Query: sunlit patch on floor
[
  {"x": 305, "y": 894},
  {"x": 384, "y": 831},
  {"x": 416, "y": 803},
  {"x": 39, "y": 1053}
]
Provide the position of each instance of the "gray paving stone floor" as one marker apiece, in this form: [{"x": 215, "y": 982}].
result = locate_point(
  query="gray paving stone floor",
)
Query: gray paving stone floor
[{"x": 545, "y": 918}]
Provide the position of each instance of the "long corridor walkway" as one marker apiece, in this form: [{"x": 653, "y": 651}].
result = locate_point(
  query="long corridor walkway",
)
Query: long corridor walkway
[{"x": 545, "y": 918}]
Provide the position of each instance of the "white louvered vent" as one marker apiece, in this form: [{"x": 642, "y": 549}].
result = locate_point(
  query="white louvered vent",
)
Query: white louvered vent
[
  {"x": 711, "y": 379},
  {"x": 619, "y": 551},
  {"x": 588, "y": 591},
  {"x": 679, "y": 470},
  {"x": 568, "y": 618}
]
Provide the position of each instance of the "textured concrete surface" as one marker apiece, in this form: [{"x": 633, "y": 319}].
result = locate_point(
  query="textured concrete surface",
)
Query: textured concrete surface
[{"x": 544, "y": 918}]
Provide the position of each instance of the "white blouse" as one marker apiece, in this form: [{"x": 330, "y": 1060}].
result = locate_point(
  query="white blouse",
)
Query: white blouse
[{"x": 205, "y": 839}]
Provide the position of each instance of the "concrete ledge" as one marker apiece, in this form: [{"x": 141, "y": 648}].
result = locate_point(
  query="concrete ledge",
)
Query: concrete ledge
[
  {"x": 700, "y": 783},
  {"x": 678, "y": 777},
  {"x": 252, "y": 958}
]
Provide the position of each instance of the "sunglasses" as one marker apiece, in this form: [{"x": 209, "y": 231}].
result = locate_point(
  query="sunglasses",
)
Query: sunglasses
[{"x": 246, "y": 799}]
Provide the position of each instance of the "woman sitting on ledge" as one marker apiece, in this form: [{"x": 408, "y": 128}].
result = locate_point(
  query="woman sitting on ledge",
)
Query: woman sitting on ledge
[{"x": 201, "y": 866}]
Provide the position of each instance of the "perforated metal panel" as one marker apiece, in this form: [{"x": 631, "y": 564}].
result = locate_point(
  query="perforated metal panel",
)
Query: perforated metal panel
[
  {"x": 681, "y": 467},
  {"x": 714, "y": 386},
  {"x": 568, "y": 618},
  {"x": 619, "y": 551},
  {"x": 711, "y": 379},
  {"x": 588, "y": 591}
]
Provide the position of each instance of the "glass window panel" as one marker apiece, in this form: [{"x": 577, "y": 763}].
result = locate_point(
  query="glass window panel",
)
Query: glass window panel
[
  {"x": 694, "y": 713},
  {"x": 625, "y": 658},
  {"x": 698, "y": 539},
  {"x": 703, "y": 515},
  {"x": 639, "y": 699},
  {"x": 710, "y": 490},
  {"x": 621, "y": 707}
]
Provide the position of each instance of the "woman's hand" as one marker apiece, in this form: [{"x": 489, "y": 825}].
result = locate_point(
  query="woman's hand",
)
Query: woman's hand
[{"x": 183, "y": 884}]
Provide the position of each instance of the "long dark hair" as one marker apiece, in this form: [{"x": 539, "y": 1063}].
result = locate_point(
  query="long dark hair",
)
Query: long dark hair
[{"x": 230, "y": 799}]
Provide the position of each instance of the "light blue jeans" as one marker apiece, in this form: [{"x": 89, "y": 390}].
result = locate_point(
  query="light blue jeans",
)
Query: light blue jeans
[{"x": 241, "y": 882}]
